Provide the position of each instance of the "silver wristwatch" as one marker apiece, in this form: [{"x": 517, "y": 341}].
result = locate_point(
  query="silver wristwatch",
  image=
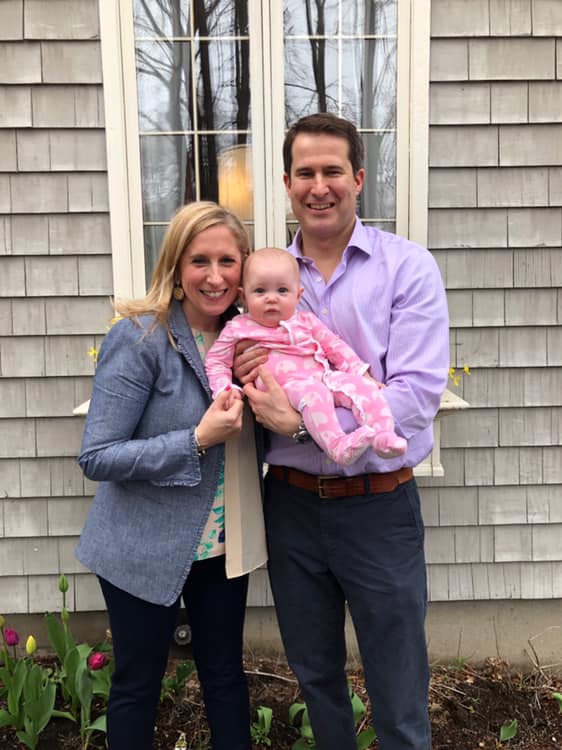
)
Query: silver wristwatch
[{"x": 301, "y": 434}]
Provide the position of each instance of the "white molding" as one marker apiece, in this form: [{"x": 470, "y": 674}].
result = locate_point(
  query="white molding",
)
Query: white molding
[
  {"x": 412, "y": 119},
  {"x": 123, "y": 155}
]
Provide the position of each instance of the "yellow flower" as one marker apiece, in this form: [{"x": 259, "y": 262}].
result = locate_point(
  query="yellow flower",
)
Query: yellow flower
[
  {"x": 466, "y": 370},
  {"x": 451, "y": 371},
  {"x": 31, "y": 645},
  {"x": 457, "y": 379},
  {"x": 93, "y": 353},
  {"x": 113, "y": 321}
]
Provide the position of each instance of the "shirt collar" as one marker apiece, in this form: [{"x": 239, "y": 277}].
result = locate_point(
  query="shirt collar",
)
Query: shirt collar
[{"x": 359, "y": 239}]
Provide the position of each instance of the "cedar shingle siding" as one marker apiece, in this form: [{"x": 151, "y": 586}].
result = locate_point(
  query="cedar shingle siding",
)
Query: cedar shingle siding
[
  {"x": 495, "y": 226},
  {"x": 55, "y": 280}
]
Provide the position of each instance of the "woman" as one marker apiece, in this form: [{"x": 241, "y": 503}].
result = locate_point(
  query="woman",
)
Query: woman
[{"x": 156, "y": 443}]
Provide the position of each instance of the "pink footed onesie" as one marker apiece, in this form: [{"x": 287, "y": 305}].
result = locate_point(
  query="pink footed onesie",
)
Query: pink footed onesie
[{"x": 318, "y": 371}]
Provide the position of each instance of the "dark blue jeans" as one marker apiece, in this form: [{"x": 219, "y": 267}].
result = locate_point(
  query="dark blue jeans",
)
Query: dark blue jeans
[
  {"x": 141, "y": 635},
  {"x": 368, "y": 551}
]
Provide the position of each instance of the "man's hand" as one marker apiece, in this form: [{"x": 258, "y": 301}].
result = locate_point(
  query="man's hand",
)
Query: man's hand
[
  {"x": 222, "y": 420},
  {"x": 370, "y": 377},
  {"x": 271, "y": 407},
  {"x": 247, "y": 360}
]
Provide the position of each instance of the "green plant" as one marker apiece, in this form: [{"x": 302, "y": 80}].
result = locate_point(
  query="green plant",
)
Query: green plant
[
  {"x": 508, "y": 730},
  {"x": 80, "y": 675},
  {"x": 458, "y": 664},
  {"x": 173, "y": 685},
  {"x": 299, "y": 718},
  {"x": 558, "y": 698},
  {"x": 28, "y": 689},
  {"x": 260, "y": 729}
]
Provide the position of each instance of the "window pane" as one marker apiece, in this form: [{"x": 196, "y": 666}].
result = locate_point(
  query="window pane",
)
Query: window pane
[
  {"x": 223, "y": 85},
  {"x": 193, "y": 85},
  {"x": 341, "y": 57},
  {"x": 158, "y": 18},
  {"x": 163, "y": 86},
  {"x": 168, "y": 178},
  {"x": 224, "y": 18},
  {"x": 378, "y": 197},
  {"x": 334, "y": 17}
]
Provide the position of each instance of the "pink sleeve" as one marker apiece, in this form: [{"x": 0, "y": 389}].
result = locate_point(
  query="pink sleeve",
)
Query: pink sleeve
[
  {"x": 219, "y": 359},
  {"x": 336, "y": 350}
]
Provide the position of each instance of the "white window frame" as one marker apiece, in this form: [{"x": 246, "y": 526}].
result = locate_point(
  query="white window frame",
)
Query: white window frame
[{"x": 122, "y": 132}]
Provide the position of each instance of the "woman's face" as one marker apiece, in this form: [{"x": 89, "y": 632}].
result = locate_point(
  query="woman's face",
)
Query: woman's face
[{"x": 209, "y": 272}]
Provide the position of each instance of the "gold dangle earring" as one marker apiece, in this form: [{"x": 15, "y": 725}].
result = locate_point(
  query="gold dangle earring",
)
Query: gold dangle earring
[{"x": 178, "y": 292}]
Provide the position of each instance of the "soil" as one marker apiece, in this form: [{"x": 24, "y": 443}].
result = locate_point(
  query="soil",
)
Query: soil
[{"x": 468, "y": 706}]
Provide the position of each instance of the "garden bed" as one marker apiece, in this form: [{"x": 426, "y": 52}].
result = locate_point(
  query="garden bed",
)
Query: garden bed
[{"x": 468, "y": 706}]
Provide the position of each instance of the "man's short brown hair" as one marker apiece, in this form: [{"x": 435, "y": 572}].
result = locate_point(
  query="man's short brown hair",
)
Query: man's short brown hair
[{"x": 329, "y": 124}]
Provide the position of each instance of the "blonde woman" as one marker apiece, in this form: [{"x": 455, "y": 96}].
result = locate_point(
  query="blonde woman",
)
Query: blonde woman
[{"x": 169, "y": 463}]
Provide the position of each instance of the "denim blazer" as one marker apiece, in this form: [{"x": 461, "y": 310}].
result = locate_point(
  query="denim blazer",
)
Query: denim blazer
[{"x": 155, "y": 492}]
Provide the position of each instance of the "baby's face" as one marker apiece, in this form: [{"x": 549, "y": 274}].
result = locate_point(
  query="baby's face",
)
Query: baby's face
[{"x": 271, "y": 290}]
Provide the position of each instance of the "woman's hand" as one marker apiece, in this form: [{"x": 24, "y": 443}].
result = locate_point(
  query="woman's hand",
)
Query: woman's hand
[
  {"x": 247, "y": 360},
  {"x": 271, "y": 407},
  {"x": 223, "y": 419}
]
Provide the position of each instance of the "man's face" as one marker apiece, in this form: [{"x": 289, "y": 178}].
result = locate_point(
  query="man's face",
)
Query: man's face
[{"x": 322, "y": 187}]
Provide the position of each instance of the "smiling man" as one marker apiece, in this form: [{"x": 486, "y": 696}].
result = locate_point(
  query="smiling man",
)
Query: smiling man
[{"x": 354, "y": 534}]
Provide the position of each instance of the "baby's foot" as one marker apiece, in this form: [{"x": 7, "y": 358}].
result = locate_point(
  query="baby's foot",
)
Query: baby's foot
[
  {"x": 347, "y": 448},
  {"x": 389, "y": 445}
]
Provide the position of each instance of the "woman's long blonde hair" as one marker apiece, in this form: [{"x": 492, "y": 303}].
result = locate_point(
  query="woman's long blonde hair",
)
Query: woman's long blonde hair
[{"x": 186, "y": 224}]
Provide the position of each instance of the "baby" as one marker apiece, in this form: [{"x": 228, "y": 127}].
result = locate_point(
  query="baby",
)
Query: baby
[{"x": 316, "y": 369}]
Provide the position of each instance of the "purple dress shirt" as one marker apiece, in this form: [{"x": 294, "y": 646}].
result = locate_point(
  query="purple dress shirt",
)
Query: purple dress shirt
[{"x": 386, "y": 300}]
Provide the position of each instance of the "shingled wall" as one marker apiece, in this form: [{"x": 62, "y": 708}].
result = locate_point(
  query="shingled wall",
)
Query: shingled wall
[
  {"x": 55, "y": 281},
  {"x": 495, "y": 226}
]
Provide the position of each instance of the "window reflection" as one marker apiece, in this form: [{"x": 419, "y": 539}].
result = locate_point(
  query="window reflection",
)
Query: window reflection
[
  {"x": 193, "y": 86},
  {"x": 341, "y": 57},
  {"x": 193, "y": 83}
]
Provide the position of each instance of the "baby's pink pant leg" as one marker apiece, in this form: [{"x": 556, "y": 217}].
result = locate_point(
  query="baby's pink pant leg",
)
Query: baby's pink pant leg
[
  {"x": 369, "y": 406},
  {"x": 315, "y": 402}
]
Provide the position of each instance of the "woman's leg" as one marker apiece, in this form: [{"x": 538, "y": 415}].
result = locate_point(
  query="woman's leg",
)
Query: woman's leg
[
  {"x": 141, "y": 634},
  {"x": 216, "y": 607}
]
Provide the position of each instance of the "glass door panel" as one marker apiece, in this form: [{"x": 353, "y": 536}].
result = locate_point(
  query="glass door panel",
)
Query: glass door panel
[
  {"x": 341, "y": 57},
  {"x": 193, "y": 89}
]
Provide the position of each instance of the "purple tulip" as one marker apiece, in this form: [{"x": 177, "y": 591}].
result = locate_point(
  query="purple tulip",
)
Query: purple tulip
[
  {"x": 11, "y": 637},
  {"x": 97, "y": 661}
]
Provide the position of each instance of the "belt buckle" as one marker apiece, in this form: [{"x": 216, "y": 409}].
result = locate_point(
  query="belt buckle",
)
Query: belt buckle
[{"x": 320, "y": 483}]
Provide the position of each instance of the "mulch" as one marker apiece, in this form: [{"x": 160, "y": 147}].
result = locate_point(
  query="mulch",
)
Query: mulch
[{"x": 468, "y": 705}]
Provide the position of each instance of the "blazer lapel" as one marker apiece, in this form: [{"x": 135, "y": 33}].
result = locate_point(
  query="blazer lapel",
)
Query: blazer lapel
[{"x": 186, "y": 344}]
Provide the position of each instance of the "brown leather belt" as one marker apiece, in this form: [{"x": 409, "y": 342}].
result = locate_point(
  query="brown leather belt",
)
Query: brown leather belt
[{"x": 335, "y": 486}]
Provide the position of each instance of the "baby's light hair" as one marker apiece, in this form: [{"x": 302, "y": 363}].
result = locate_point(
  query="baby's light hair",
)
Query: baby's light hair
[{"x": 273, "y": 254}]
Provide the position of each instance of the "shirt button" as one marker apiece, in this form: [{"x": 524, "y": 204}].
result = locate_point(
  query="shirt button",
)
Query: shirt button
[
  {"x": 318, "y": 279},
  {"x": 324, "y": 311}
]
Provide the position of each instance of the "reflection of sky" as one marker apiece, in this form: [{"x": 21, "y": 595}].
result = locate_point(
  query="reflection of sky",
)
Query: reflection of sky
[
  {"x": 342, "y": 16},
  {"x": 357, "y": 73}
]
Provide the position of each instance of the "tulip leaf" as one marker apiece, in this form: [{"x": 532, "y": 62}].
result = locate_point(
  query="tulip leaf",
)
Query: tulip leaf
[
  {"x": 55, "y": 633},
  {"x": 40, "y": 710},
  {"x": 366, "y": 738},
  {"x": 6, "y": 719},
  {"x": 15, "y": 690},
  {"x": 294, "y": 710},
  {"x": 99, "y": 725},
  {"x": 508, "y": 730},
  {"x": 63, "y": 715}
]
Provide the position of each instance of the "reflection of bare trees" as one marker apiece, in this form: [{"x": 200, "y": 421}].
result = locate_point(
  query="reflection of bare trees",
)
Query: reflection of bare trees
[
  {"x": 318, "y": 49},
  {"x": 166, "y": 74},
  {"x": 350, "y": 69}
]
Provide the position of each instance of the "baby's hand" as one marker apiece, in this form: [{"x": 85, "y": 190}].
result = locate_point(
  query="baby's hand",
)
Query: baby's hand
[{"x": 234, "y": 394}]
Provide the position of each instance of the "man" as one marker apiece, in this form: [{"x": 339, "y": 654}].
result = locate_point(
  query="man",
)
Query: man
[{"x": 354, "y": 534}]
